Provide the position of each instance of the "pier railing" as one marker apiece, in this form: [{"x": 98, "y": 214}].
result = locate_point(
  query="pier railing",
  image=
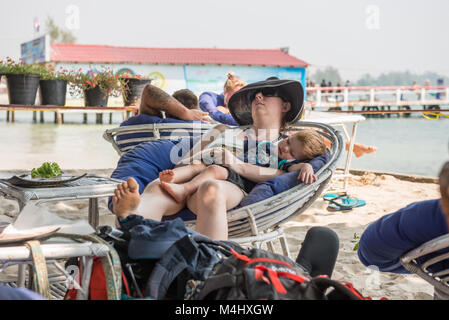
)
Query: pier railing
[{"x": 350, "y": 97}]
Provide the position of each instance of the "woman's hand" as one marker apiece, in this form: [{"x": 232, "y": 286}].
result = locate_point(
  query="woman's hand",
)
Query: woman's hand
[
  {"x": 223, "y": 109},
  {"x": 195, "y": 114},
  {"x": 306, "y": 174},
  {"x": 222, "y": 156}
]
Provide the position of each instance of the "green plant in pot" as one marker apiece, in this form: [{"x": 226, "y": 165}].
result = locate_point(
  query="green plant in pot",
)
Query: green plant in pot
[
  {"x": 97, "y": 86},
  {"x": 53, "y": 85},
  {"x": 133, "y": 87},
  {"x": 22, "y": 80}
]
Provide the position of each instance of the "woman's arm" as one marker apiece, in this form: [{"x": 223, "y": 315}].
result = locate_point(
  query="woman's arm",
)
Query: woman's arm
[
  {"x": 206, "y": 139},
  {"x": 221, "y": 117}
]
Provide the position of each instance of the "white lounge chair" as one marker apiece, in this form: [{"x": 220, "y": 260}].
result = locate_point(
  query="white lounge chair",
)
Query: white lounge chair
[
  {"x": 150, "y": 132},
  {"x": 439, "y": 280}
]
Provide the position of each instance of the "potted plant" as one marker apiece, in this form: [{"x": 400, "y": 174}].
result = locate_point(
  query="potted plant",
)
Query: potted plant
[
  {"x": 97, "y": 86},
  {"x": 133, "y": 87},
  {"x": 53, "y": 85},
  {"x": 22, "y": 80},
  {"x": 2, "y": 69}
]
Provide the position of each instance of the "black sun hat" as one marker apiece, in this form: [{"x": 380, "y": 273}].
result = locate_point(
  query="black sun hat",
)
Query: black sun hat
[{"x": 290, "y": 90}]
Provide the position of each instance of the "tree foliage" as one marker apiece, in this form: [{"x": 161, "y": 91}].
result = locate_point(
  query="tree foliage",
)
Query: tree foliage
[
  {"x": 58, "y": 34},
  {"x": 398, "y": 78},
  {"x": 328, "y": 74},
  {"x": 392, "y": 78}
]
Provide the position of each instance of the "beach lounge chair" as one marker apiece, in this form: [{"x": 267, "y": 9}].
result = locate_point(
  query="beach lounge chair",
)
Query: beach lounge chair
[
  {"x": 259, "y": 221},
  {"x": 127, "y": 137},
  {"x": 415, "y": 261}
]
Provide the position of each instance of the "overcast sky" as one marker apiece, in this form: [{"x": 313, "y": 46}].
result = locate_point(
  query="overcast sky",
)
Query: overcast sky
[{"x": 355, "y": 36}]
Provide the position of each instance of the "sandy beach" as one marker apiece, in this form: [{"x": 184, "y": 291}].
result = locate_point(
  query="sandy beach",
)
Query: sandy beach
[{"x": 383, "y": 194}]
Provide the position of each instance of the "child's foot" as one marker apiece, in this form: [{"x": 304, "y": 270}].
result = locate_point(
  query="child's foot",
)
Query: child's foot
[
  {"x": 167, "y": 176},
  {"x": 176, "y": 191},
  {"x": 126, "y": 198}
]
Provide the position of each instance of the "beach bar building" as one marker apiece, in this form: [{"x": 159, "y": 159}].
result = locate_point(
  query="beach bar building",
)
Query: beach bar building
[{"x": 198, "y": 69}]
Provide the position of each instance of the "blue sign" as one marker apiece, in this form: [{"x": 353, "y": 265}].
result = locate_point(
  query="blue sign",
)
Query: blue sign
[{"x": 36, "y": 51}]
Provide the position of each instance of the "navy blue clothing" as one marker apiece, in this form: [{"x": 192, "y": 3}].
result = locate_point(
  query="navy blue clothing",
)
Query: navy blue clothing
[
  {"x": 209, "y": 101},
  {"x": 146, "y": 118},
  {"x": 387, "y": 239},
  {"x": 150, "y": 239},
  {"x": 8, "y": 293}
]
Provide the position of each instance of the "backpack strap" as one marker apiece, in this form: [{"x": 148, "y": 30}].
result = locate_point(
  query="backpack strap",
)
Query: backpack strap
[
  {"x": 342, "y": 290},
  {"x": 216, "y": 282},
  {"x": 111, "y": 264},
  {"x": 40, "y": 274}
]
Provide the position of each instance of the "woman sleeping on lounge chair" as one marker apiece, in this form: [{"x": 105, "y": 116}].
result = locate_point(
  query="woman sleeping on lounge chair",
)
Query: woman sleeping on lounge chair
[
  {"x": 290, "y": 154},
  {"x": 268, "y": 106}
]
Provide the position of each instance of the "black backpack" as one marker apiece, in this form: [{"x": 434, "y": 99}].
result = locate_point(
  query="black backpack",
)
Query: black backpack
[{"x": 258, "y": 274}]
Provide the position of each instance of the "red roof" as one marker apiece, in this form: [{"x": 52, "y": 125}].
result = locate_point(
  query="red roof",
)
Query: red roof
[{"x": 61, "y": 52}]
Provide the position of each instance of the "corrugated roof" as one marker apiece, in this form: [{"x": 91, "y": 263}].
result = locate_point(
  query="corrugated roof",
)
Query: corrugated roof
[{"x": 61, "y": 52}]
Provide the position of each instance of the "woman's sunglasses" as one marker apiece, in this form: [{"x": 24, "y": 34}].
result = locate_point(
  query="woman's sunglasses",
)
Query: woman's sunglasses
[{"x": 266, "y": 92}]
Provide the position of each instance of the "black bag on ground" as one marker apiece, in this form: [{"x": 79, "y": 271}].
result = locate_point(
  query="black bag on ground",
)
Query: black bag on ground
[
  {"x": 191, "y": 258},
  {"x": 258, "y": 274}
]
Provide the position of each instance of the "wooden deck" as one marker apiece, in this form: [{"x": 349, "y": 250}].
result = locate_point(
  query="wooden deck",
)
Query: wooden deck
[{"x": 59, "y": 111}]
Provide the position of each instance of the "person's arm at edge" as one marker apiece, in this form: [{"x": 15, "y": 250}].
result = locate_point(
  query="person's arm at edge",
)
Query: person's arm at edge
[
  {"x": 155, "y": 100},
  {"x": 208, "y": 101},
  {"x": 223, "y": 118}
]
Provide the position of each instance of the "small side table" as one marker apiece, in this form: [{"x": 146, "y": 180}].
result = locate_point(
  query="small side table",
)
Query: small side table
[{"x": 89, "y": 187}]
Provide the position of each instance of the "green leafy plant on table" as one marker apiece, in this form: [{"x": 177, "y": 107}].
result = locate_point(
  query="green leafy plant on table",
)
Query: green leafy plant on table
[{"x": 47, "y": 170}]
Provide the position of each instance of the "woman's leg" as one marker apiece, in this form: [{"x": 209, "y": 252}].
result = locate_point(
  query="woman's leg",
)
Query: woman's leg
[
  {"x": 180, "y": 192},
  {"x": 181, "y": 174},
  {"x": 210, "y": 203},
  {"x": 319, "y": 251}
]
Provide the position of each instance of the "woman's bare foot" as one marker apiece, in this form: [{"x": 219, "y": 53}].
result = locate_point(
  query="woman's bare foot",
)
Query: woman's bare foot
[
  {"x": 176, "y": 191},
  {"x": 360, "y": 149},
  {"x": 167, "y": 176},
  {"x": 126, "y": 198}
]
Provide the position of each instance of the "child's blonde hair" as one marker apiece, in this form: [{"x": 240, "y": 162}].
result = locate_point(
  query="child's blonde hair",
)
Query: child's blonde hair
[
  {"x": 232, "y": 82},
  {"x": 312, "y": 143}
]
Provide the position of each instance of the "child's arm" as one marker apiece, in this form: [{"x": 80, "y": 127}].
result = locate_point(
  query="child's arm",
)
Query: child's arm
[
  {"x": 306, "y": 173},
  {"x": 247, "y": 170}
]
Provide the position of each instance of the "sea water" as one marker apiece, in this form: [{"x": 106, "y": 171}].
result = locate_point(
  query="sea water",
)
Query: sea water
[{"x": 408, "y": 145}]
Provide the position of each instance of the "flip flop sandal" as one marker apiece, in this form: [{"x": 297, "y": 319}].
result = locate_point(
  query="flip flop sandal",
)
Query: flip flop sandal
[
  {"x": 333, "y": 196},
  {"x": 342, "y": 203},
  {"x": 360, "y": 203}
]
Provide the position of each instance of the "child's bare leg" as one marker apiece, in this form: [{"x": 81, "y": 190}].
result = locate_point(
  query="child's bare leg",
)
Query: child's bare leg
[
  {"x": 181, "y": 191},
  {"x": 181, "y": 174}
]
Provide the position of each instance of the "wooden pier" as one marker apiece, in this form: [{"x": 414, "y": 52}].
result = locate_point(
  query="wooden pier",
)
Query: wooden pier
[
  {"x": 59, "y": 112},
  {"x": 378, "y": 100}
]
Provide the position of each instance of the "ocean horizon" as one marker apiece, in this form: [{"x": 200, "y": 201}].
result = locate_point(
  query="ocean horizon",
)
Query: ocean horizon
[{"x": 408, "y": 145}]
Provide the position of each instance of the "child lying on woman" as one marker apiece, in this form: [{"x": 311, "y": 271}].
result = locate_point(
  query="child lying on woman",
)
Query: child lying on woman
[{"x": 290, "y": 154}]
